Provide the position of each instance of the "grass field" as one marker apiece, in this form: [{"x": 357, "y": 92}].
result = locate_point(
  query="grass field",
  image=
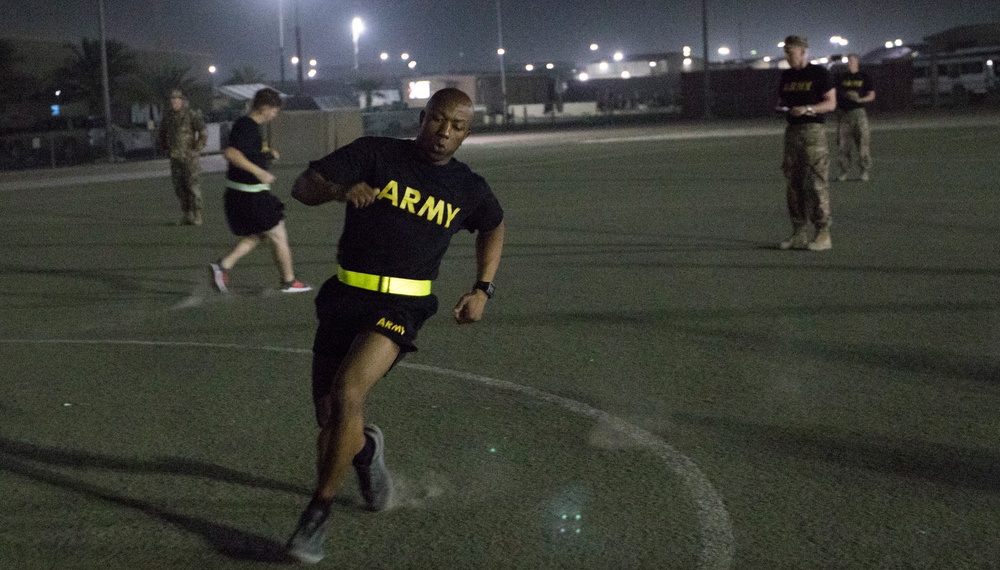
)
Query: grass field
[{"x": 654, "y": 386}]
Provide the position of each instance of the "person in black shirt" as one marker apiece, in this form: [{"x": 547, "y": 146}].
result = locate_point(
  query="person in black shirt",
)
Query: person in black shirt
[
  {"x": 253, "y": 213},
  {"x": 405, "y": 200},
  {"x": 806, "y": 94},
  {"x": 853, "y": 134}
]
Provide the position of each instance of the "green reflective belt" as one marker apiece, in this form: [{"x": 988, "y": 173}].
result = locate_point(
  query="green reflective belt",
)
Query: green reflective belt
[
  {"x": 383, "y": 284},
  {"x": 247, "y": 187}
]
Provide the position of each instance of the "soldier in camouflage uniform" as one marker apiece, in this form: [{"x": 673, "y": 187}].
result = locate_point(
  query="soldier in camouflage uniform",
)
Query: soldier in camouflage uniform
[
  {"x": 183, "y": 135},
  {"x": 853, "y": 134},
  {"x": 806, "y": 94}
]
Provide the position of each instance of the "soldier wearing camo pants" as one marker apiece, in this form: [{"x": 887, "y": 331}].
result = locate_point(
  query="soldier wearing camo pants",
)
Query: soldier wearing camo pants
[
  {"x": 183, "y": 134},
  {"x": 853, "y": 134},
  {"x": 806, "y": 94}
]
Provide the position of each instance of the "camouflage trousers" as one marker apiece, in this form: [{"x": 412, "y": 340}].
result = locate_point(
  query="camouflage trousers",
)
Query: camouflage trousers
[
  {"x": 853, "y": 140},
  {"x": 807, "y": 170},
  {"x": 186, "y": 176}
]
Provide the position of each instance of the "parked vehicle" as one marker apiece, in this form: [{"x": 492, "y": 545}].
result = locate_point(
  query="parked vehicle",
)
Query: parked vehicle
[{"x": 965, "y": 74}]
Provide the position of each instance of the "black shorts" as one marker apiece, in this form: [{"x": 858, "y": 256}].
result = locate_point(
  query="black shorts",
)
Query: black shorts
[
  {"x": 344, "y": 312},
  {"x": 252, "y": 213}
]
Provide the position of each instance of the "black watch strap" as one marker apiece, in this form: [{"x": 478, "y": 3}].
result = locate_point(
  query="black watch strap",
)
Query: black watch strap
[{"x": 486, "y": 287}]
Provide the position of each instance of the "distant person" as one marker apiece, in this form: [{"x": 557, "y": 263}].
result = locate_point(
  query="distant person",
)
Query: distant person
[
  {"x": 183, "y": 135},
  {"x": 405, "y": 200},
  {"x": 806, "y": 94},
  {"x": 854, "y": 91},
  {"x": 253, "y": 213}
]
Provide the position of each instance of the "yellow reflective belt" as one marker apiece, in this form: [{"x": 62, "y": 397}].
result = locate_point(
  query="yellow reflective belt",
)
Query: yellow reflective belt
[
  {"x": 247, "y": 187},
  {"x": 383, "y": 284}
]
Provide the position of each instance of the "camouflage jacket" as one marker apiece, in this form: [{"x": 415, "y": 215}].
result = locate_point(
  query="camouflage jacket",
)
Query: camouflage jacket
[{"x": 182, "y": 132}]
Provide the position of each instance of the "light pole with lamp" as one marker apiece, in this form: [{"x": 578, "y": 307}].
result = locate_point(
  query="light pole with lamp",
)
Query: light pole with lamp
[
  {"x": 298, "y": 48},
  {"x": 357, "y": 26},
  {"x": 503, "y": 71},
  {"x": 706, "y": 92},
  {"x": 281, "y": 41},
  {"x": 105, "y": 83}
]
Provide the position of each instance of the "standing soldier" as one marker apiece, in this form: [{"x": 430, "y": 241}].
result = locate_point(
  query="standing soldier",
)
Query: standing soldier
[
  {"x": 183, "y": 135},
  {"x": 853, "y": 135},
  {"x": 806, "y": 94}
]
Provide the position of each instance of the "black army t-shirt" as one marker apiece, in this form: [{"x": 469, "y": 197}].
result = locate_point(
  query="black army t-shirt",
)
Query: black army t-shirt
[
  {"x": 245, "y": 136},
  {"x": 804, "y": 86},
  {"x": 857, "y": 82},
  {"x": 420, "y": 206}
]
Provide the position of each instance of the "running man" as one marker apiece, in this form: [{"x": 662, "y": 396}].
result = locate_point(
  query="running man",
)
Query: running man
[{"x": 405, "y": 200}]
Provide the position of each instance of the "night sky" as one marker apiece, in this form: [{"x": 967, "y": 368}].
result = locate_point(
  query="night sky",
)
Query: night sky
[{"x": 462, "y": 34}]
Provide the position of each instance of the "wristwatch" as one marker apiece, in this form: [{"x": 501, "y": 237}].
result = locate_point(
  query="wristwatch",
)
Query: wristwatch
[
  {"x": 810, "y": 111},
  {"x": 486, "y": 287}
]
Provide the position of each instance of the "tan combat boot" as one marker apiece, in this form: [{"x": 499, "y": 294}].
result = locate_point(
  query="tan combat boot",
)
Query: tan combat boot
[
  {"x": 798, "y": 240},
  {"x": 822, "y": 241}
]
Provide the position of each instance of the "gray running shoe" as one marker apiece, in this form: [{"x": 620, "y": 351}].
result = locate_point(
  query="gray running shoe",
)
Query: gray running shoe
[
  {"x": 374, "y": 478},
  {"x": 220, "y": 277},
  {"x": 306, "y": 544}
]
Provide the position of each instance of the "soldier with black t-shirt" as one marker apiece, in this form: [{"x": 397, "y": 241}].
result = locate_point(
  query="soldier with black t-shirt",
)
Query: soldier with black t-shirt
[
  {"x": 854, "y": 91},
  {"x": 405, "y": 200},
  {"x": 806, "y": 94},
  {"x": 252, "y": 212}
]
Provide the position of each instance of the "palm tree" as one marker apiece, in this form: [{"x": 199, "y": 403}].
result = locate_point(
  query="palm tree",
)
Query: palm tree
[
  {"x": 151, "y": 87},
  {"x": 368, "y": 85},
  {"x": 81, "y": 73}
]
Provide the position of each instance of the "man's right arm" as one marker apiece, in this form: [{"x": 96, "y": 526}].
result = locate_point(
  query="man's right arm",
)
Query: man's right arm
[{"x": 312, "y": 190}]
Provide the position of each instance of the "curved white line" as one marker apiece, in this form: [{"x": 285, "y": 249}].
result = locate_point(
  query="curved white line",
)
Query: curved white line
[{"x": 713, "y": 518}]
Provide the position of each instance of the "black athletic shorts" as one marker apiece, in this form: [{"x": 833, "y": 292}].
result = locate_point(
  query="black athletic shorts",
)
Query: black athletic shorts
[
  {"x": 252, "y": 213},
  {"x": 344, "y": 312}
]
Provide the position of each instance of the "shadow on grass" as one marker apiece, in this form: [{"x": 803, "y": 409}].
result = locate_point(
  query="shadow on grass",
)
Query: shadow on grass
[
  {"x": 231, "y": 542},
  {"x": 959, "y": 467}
]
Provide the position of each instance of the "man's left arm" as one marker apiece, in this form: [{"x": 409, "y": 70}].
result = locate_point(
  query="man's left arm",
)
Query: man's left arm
[
  {"x": 489, "y": 247},
  {"x": 201, "y": 133}
]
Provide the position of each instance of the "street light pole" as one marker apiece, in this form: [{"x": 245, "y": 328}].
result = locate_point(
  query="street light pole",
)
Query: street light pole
[
  {"x": 503, "y": 71},
  {"x": 105, "y": 85},
  {"x": 706, "y": 93},
  {"x": 357, "y": 26},
  {"x": 298, "y": 48},
  {"x": 281, "y": 42}
]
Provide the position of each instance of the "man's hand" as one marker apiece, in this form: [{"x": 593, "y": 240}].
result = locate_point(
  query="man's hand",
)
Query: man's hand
[
  {"x": 275, "y": 155},
  {"x": 470, "y": 307},
  {"x": 266, "y": 177},
  {"x": 360, "y": 195}
]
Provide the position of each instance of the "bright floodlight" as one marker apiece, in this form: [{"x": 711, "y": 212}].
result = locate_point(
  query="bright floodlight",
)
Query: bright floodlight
[
  {"x": 212, "y": 69},
  {"x": 312, "y": 63},
  {"x": 529, "y": 67},
  {"x": 603, "y": 66},
  {"x": 412, "y": 64},
  {"x": 888, "y": 44},
  {"x": 550, "y": 66},
  {"x": 593, "y": 47},
  {"x": 843, "y": 41},
  {"x": 295, "y": 60},
  {"x": 835, "y": 39},
  {"x": 501, "y": 51},
  {"x": 312, "y": 73},
  {"x": 404, "y": 56},
  {"x": 687, "y": 62},
  {"x": 652, "y": 64},
  {"x": 626, "y": 75},
  {"x": 898, "y": 42},
  {"x": 781, "y": 44},
  {"x": 357, "y": 27},
  {"x": 686, "y": 51},
  {"x": 383, "y": 56},
  {"x": 767, "y": 59},
  {"x": 619, "y": 56},
  {"x": 724, "y": 50},
  {"x": 583, "y": 77}
]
